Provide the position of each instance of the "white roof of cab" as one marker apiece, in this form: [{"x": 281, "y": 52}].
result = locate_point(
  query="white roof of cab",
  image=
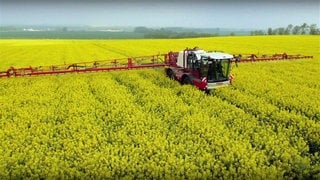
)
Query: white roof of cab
[
  {"x": 212, "y": 55},
  {"x": 217, "y": 55}
]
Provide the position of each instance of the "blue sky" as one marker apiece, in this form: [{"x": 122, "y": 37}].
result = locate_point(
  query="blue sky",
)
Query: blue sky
[{"x": 198, "y": 13}]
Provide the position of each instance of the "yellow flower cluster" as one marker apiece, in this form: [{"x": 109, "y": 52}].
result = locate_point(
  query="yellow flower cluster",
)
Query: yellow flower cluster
[{"x": 138, "y": 124}]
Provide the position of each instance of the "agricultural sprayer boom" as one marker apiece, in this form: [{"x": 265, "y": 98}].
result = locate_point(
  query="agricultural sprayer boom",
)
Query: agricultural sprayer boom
[
  {"x": 205, "y": 70},
  {"x": 267, "y": 57},
  {"x": 99, "y": 65}
]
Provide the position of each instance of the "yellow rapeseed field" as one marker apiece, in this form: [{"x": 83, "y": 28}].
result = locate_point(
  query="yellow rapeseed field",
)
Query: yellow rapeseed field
[
  {"x": 140, "y": 124},
  {"x": 21, "y": 53}
]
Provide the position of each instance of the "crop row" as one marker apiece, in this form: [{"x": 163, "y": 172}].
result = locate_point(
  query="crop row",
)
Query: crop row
[{"x": 139, "y": 124}]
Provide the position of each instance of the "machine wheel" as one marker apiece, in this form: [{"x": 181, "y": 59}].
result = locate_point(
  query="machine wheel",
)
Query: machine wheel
[
  {"x": 170, "y": 74},
  {"x": 187, "y": 81}
]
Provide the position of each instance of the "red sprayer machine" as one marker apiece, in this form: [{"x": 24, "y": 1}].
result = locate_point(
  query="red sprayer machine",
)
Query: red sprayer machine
[{"x": 205, "y": 70}]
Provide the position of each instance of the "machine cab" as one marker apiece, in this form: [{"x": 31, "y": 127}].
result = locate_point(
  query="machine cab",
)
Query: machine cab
[
  {"x": 215, "y": 67},
  {"x": 206, "y": 70}
]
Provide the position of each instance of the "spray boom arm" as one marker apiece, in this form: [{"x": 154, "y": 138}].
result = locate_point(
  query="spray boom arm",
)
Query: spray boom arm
[{"x": 159, "y": 60}]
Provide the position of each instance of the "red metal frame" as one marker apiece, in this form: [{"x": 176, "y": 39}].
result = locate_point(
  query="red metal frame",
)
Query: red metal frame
[
  {"x": 101, "y": 65},
  {"x": 273, "y": 57},
  {"x": 159, "y": 60}
]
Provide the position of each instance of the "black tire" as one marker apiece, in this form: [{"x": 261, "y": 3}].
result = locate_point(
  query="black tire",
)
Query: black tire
[
  {"x": 187, "y": 81},
  {"x": 170, "y": 74}
]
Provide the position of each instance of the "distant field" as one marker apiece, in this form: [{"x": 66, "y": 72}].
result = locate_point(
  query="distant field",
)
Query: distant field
[
  {"x": 35, "y": 52},
  {"x": 69, "y": 35},
  {"x": 126, "y": 34},
  {"x": 140, "y": 124}
]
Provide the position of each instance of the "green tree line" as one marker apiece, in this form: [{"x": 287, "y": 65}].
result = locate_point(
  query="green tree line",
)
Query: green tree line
[
  {"x": 166, "y": 33},
  {"x": 290, "y": 29}
]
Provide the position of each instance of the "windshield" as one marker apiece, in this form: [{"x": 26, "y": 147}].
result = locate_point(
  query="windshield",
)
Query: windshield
[{"x": 215, "y": 69}]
